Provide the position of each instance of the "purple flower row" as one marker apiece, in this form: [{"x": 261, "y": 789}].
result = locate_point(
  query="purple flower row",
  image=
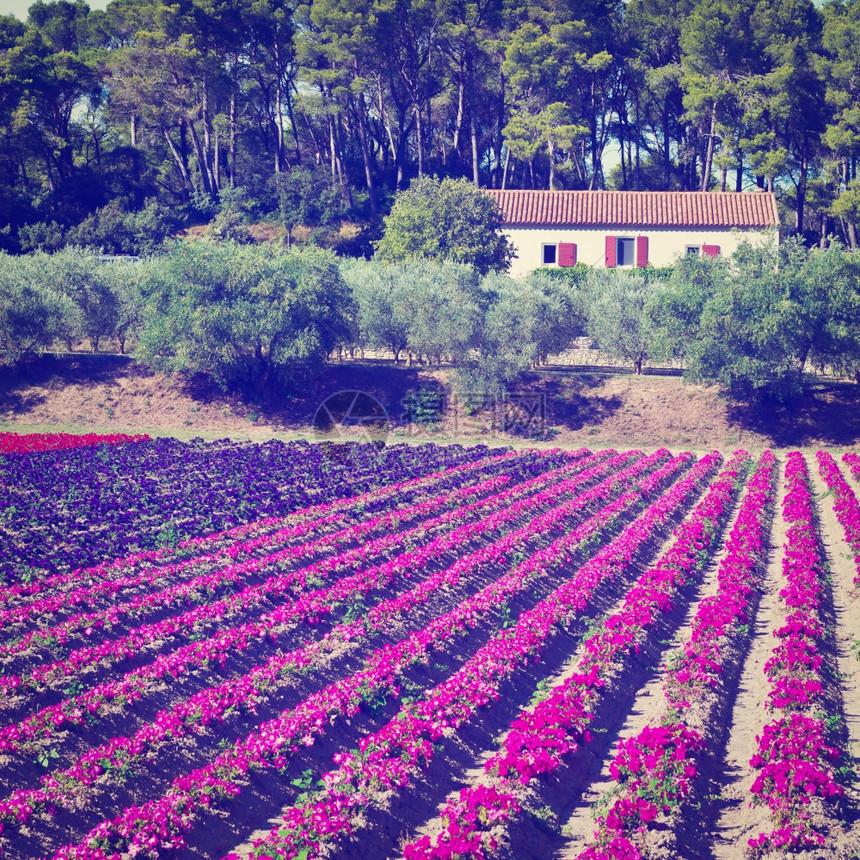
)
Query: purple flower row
[
  {"x": 655, "y": 770},
  {"x": 509, "y": 505},
  {"x": 209, "y": 706},
  {"x": 852, "y": 460},
  {"x": 108, "y": 580},
  {"x": 77, "y": 507},
  {"x": 845, "y": 505},
  {"x": 270, "y": 592},
  {"x": 207, "y": 583},
  {"x": 794, "y": 762},
  {"x": 388, "y": 758},
  {"x": 147, "y": 826},
  {"x": 540, "y": 737}
]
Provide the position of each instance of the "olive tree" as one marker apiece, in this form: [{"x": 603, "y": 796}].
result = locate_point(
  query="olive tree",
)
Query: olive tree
[
  {"x": 32, "y": 314},
  {"x": 78, "y": 274},
  {"x": 617, "y": 302},
  {"x": 251, "y": 316}
]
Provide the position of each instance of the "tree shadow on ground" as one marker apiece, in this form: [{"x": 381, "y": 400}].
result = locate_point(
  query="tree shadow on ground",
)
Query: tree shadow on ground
[
  {"x": 826, "y": 414},
  {"x": 54, "y": 371},
  {"x": 296, "y": 409},
  {"x": 57, "y": 369},
  {"x": 571, "y": 399}
]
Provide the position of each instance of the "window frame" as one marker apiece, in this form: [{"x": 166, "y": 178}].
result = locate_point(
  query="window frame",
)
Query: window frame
[{"x": 620, "y": 255}]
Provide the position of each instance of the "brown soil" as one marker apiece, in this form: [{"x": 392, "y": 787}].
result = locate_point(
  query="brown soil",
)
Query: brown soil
[{"x": 111, "y": 393}]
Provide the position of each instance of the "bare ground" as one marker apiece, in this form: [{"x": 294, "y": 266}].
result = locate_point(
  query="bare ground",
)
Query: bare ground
[{"x": 576, "y": 405}]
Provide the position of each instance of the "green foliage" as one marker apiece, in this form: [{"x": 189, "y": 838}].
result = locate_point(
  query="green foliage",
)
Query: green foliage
[
  {"x": 448, "y": 220},
  {"x": 307, "y": 197},
  {"x": 32, "y": 312},
  {"x": 756, "y": 324},
  {"x": 617, "y": 306},
  {"x": 250, "y": 316},
  {"x": 46, "y": 756},
  {"x": 425, "y": 307},
  {"x": 77, "y": 274}
]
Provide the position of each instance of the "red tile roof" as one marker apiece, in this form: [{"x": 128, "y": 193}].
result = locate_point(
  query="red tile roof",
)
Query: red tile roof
[{"x": 750, "y": 209}]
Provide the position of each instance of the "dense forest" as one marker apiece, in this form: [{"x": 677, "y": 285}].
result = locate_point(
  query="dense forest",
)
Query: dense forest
[{"x": 117, "y": 126}]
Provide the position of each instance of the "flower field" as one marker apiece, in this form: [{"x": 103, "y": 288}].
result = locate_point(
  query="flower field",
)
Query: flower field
[{"x": 215, "y": 650}]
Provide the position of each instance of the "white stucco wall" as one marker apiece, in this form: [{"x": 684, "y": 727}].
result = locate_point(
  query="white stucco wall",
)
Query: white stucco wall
[{"x": 665, "y": 244}]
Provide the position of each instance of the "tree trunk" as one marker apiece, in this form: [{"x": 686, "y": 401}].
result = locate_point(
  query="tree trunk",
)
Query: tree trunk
[
  {"x": 233, "y": 135},
  {"x": 801, "y": 195},
  {"x": 709, "y": 153},
  {"x": 458, "y": 123},
  {"x": 365, "y": 156},
  {"x": 419, "y": 138},
  {"x": 667, "y": 160},
  {"x": 279, "y": 113},
  {"x": 473, "y": 125},
  {"x": 500, "y": 123},
  {"x": 202, "y": 162},
  {"x": 180, "y": 161}
]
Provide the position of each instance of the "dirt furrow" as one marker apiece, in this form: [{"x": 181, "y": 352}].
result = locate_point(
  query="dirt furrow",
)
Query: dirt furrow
[
  {"x": 541, "y": 832},
  {"x": 846, "y": 618},
  {"x": 735, "y": 821},
  {"x": 648, "y": 708}
]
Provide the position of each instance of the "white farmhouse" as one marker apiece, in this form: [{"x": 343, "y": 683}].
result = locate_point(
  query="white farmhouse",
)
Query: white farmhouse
[{"x": 631, "y": 228}]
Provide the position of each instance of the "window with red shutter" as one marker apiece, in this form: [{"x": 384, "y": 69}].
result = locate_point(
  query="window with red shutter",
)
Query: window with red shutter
[
  {"x": 610, "y": 252},
  {"x": 711, "y": 250},
  {"x": 566, "y": 254},
  {"x": 641, "y": 251}
]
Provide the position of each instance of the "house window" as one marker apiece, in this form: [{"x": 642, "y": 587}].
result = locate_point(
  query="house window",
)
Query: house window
[
  {"x": 693, "y": 249},
  {"x": 549, "y": 255},
  {"x": 625, "y": 253}
]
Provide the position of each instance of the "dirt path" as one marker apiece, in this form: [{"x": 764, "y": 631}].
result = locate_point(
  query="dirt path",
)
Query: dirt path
[
  {"x": 541, "y": 834},
  {"x": 846, "y": 611},
  {"x": 649, "y": 707},
  {"x": 736, "y": 821}
]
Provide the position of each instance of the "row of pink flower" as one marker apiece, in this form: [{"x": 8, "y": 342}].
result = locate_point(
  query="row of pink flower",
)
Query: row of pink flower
[
  {"x": 852, "y": 460},
  {"x": 540, "y": 737},
  {"x": 794, "y": 762},
  {"x": 279, "y": 587},
  {"x": 513, "y": 503},
  {"x": 845, "y": 505},
  {"x": 656, "y": 768},
  {"x": 389, "y": 758},
  {"x": 33, "y": 443},
  {"x": 149, "y": 825},
  {"x": 386, "y": 525},
  {"x": 209, "y": 706},
  {"x": 112, "y": 577}
]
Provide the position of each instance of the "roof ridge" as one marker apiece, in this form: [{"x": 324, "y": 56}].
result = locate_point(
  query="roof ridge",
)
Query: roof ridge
[{"x": 602, "y": 207}]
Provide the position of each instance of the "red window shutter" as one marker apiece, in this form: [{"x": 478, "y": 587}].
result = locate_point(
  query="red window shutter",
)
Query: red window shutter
[
  {"x": 610, "y": 252},
  {"x": 711, "y": 250},
  {"x": 641, "y": 251},
  {"x": 566, "y": 254}
]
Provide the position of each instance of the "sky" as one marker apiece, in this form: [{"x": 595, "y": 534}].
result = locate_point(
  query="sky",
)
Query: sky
[{"x": 19, "y": 8}]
